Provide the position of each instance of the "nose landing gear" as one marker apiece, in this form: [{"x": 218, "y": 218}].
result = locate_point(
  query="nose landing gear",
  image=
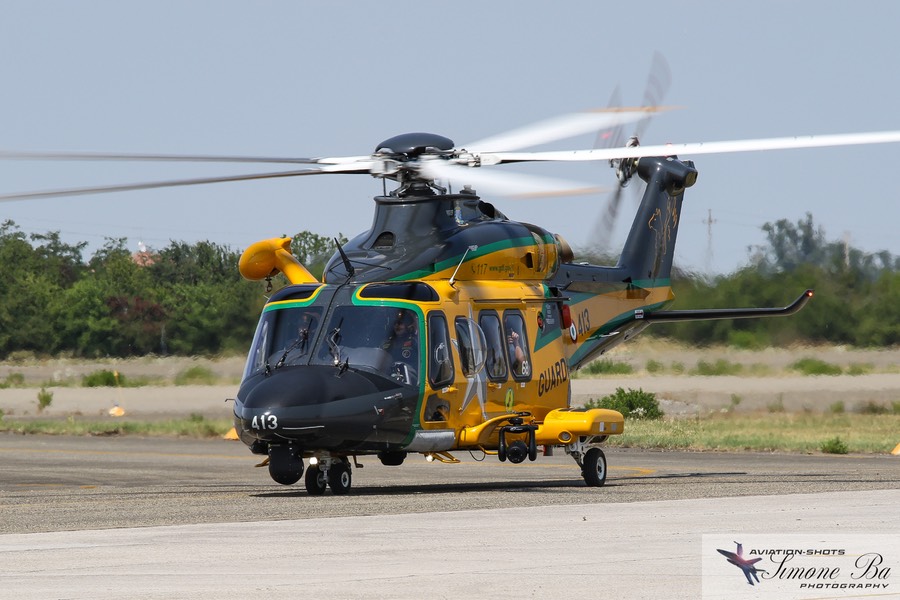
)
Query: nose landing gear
[{"x": 329, "y": 472}]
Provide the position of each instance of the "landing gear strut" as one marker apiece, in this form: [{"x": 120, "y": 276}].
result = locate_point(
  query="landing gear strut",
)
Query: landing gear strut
[{"x": 591, "y": 460}]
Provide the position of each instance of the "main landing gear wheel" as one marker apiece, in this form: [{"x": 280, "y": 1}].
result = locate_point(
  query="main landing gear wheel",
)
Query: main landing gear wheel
[
  {"x": 315, "y": 481},
  {"x": 593, "y": 467},
  {"x": 339, "y": 478}
]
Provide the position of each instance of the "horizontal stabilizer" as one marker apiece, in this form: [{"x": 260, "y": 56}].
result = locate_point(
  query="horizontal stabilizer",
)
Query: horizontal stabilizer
[{"x": 713, "y": 314}]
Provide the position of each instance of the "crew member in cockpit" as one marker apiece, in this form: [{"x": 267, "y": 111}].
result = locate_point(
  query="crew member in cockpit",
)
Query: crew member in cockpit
[{"x": 402, "y": 343}]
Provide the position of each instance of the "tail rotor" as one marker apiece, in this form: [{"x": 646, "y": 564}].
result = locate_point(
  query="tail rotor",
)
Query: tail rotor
[{"x": 658, "y": 82}]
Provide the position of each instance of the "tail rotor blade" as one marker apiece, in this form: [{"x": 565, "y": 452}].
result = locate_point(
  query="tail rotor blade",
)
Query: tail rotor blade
[{"x": 659, "y": 79}]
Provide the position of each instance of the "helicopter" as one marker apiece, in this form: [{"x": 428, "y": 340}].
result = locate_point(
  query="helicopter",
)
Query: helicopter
[{"x": 447, "y": 326}]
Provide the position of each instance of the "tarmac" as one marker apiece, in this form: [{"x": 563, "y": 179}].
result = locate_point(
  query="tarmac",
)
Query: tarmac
[{"x": 634, "y": 550}]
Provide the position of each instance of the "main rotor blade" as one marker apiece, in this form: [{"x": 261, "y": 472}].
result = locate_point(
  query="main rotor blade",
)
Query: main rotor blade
[
  {"x": 178, "y": 182},
  {"x": 560, "y": 128},
  {"x": 505, "y": 184},
  {"x": 104, "y": 156},
  {"x": 785, "y": 143}
]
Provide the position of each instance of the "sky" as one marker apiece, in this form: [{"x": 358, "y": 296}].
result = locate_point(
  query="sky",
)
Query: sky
[{"x": 296, "y": 78}]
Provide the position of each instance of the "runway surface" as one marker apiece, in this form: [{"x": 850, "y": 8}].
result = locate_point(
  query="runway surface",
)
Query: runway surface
[{"x": 162, "y": 518}]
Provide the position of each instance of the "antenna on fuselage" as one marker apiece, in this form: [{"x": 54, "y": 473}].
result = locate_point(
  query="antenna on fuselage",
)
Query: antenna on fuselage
[
  {"x": 472, "y": 248},
  {"x": 347, "y": 265}
]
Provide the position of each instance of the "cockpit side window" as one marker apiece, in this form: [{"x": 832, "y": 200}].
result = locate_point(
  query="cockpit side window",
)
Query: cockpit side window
[
  {"x": 256, "y": 359},
  {"x": 384, "y": 339},
  {"x": 440, "y": 365}
]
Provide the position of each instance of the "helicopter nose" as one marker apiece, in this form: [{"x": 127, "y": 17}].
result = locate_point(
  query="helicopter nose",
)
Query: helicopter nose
[{"x": 320, "y": 408}]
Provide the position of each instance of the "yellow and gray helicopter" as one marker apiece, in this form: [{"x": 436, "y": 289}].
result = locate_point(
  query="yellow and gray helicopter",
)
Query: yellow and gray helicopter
[{"x": 447, "y": 326}]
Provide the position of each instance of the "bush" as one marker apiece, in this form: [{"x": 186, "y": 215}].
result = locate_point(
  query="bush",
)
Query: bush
[
  {"x": 872, "y": 408},
  {"x": 633, "y": 404},
  {"x": 834, "y": 446},
  {"x": 103, "y": 378},
  {"x": 654, "y": 366},
  {"x": 815, "y": 366},
  {"x": 45, "y": 398}
]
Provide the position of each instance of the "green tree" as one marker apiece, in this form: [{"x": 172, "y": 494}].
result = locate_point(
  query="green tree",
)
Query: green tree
[
  {"x": 314, "y": 250},
  {"x": 29, "y": 282},
  {"x": 115, "y": 311}
]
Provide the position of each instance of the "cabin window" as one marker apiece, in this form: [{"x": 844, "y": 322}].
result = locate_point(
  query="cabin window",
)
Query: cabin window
[
  {"x": 440, "y": 364},
  {"x": 494, "y": 348},
  {"x": 517, "y": 345},
  {"x": 470, "y": 345}
]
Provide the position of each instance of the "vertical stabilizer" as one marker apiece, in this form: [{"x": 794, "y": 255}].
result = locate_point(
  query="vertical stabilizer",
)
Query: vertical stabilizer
[{"x": 648, "y": 251}]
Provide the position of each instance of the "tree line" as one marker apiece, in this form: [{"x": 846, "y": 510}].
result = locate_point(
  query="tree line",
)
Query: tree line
[
  {"x": 185, "y": 299},
  {"x": 856, "y": 300},
  {"x": 189, "y": 299}
]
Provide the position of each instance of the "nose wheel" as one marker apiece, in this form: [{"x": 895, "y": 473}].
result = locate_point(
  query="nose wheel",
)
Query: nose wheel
[
  {"x": 315, "y": 481},
  {"x": 337, "y": 476}
]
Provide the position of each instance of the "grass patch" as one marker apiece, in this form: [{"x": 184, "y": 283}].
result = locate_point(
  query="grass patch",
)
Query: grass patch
[
  {"x": 106, "y": 378},
  {"x": 195, "y": 426},
  {"x": 103, "y": 378},
  {"x": 876, "y": 408},
  {"x": 196, "y": 375},
  {"x": 13, "y": 380},
  {"x": 808, "y": 433},
  {"x": 720, "y": 367},
  {"x": 815, "y": 366},
  {"x": 762, "y": 432},
  {"x": 858, "y": 369},
  {"x": 608, "y": 367}
]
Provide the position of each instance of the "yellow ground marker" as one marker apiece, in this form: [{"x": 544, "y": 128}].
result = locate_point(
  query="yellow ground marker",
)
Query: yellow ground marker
[
  {"x": 117, "y": 410},
  {"x": 896, "y": 451},
  {"x": 231, "y": 435}
]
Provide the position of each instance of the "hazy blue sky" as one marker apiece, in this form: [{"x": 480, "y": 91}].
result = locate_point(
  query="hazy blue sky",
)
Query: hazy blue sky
[{"x": 333, "y": 78}]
